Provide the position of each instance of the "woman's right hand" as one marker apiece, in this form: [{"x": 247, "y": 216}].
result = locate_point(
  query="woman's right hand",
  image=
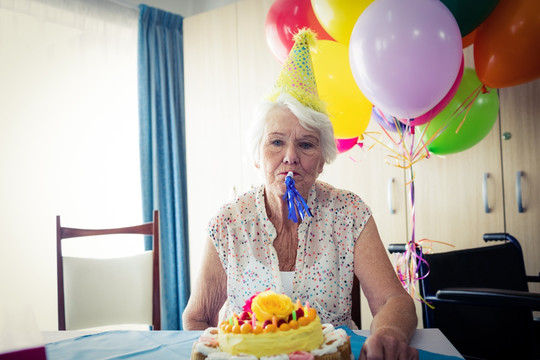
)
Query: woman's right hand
[{"x": 381, "y": 346}]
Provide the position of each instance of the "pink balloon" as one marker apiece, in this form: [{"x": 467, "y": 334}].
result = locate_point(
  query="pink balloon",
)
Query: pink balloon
[
  {"x": 405, "y": 55},
  {"x": 441, "y": 105},
  {"x": 344, "y": 145}
]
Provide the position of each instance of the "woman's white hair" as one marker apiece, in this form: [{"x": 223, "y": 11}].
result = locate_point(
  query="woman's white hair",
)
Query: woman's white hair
[{"x": 310, "y": 119}]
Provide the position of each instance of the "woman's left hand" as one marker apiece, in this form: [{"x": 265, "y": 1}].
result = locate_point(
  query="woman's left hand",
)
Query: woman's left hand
[{"x": 387, "y": 347}]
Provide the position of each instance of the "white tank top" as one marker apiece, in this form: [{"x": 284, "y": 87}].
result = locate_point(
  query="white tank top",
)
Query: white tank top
[{"x": 287, "y": 280}]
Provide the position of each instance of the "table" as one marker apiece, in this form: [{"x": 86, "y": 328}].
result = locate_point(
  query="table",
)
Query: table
[{"x": 155, "y": 345}]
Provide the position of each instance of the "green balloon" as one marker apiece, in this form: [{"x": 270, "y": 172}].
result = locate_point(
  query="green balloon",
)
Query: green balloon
[
  {"x": 470, "y": 13},
  {"x": 479, "y": 119}
]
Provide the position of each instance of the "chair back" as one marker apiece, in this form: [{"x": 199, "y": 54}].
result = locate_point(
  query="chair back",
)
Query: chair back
[
  {"x": 114, "y": 291},
  {"x": 356, "y": 313},
  {"x": 483, "y": 332}
]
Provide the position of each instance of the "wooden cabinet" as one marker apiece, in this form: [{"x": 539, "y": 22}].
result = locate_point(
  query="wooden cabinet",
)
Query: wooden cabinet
[
  {"x": 462, "y": 196},
  {"x": 520, "y": 129}
]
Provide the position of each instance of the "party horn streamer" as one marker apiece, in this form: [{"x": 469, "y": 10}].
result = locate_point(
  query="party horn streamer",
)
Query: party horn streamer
[{"x": 295, "y": 202}]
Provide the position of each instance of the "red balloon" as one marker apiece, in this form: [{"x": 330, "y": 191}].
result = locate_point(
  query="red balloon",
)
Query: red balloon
[
  {"x": 284, "y": 19},
  {"x": 507, "y": 45}
]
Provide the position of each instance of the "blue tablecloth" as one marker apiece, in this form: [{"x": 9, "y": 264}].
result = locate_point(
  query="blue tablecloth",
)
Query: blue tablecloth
[
  {"x": 156, "y": 345},
  {"x": 358, "y": 340}
]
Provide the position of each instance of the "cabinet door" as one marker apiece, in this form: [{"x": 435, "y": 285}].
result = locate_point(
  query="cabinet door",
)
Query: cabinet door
[
  {"x": 520, "y": 125},
  {"x": 453, "y": 191}
]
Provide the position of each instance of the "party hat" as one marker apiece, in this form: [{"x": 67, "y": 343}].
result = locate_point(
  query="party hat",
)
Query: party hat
[{"x": 297, "y": 77}]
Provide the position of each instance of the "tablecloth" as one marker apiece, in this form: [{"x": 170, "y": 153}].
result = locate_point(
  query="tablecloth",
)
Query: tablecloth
[{"x": 157, "y": 345}]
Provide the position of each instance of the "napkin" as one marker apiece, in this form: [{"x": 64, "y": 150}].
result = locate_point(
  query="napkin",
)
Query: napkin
[{"x": 20, "y": 337}]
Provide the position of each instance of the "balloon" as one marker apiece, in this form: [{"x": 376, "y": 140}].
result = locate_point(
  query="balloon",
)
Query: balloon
[
  {"x": 284, "y": 19},
  {"x": 348, "y": 108},
  {"x": 338, "y": 17},
  {"x": 404, "y": 61},
  {"x": 344, "y": 145},
  {"x": 507, "y": 44},
  {"x": 422, "y": 119},
  {"x": 386, "y": 121},
  {"x": 469, "y": 39},
  {"x": 470, "y": 14},
  {"x": 478, "y": 122}
]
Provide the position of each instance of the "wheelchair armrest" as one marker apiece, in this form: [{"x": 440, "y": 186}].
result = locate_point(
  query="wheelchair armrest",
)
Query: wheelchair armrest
[
  {"x": 397, "y": 248},
  {"x": 491, "y": 297}
]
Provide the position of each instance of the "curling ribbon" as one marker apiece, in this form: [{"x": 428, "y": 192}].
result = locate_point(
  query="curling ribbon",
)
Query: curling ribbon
[{"x": 295, "y": 202}]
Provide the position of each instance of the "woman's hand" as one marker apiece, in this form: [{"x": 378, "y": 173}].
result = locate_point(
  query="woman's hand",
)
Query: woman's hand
[{"x": 381, "y": 346}]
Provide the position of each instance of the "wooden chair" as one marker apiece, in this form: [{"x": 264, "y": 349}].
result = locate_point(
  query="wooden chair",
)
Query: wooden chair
[
  {"x": 114, "y": 291},
  {"x": 356, "y": 303}
]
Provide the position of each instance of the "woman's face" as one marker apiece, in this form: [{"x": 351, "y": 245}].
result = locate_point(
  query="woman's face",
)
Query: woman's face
[{"x": 287, "y": 146}]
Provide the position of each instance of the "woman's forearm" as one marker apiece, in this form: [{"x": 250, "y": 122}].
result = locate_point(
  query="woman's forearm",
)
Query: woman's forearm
[
  {"x": 397, "y": 318},
  {"x": 190, "y": 323}
]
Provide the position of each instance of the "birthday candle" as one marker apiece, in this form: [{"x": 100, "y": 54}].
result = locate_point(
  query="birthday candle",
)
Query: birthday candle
[
  {"x": 307, "y": 308},
  {"x": 253, "y": 320},
  {"x": 274, "y": 320},
  {"x": 294, "y": 315}
]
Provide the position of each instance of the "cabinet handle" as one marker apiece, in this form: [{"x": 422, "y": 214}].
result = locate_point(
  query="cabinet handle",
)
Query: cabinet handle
[
  {"x": 487, "y": 210},
  {"x": 519, "y": 198},
  {"x": 390, "y": 196}
]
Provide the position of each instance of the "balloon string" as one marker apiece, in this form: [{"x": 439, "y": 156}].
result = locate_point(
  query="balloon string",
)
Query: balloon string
[
  {"x": 409, "y": 263},
  {"x": 422, "y": 145},
  {"x": 409, "y": 149},
  {"x": 401, "y": 155},
  {"x": 469, "y": 101}
]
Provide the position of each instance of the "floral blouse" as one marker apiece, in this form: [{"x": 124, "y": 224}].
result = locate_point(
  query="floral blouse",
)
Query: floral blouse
[{"x": 243, "y": 236}]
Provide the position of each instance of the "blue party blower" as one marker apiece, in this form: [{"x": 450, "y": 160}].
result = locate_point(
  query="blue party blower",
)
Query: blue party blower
[{"x": 295, "y": 202}]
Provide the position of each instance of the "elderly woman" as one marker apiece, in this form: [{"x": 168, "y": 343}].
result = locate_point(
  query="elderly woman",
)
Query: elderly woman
[{"x": 254, "y": 246}]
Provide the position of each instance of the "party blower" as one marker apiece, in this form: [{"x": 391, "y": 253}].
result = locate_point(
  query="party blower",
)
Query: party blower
[{"x": 295, "y": 202}]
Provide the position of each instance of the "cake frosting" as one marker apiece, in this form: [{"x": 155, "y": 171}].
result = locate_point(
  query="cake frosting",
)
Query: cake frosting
[{"x": 272, "y": 327}]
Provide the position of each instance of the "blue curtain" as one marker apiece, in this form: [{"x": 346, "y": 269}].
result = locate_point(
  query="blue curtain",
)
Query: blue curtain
[{"x": 162, "y": 144}]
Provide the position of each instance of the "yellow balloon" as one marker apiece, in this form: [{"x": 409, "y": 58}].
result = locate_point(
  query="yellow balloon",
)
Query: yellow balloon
[
  {"x": 348, "y": 108},
  {"x": 338, "y": 17}
]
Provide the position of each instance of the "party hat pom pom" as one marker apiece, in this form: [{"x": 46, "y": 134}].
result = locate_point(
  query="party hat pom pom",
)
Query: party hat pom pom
[
  {"x": 295, "y": 202},
  {"x": 306, "y": 36}
]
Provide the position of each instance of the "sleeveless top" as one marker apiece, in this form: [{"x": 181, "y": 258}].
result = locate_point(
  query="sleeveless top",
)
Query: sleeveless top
[{"x": 243, "y": 237}]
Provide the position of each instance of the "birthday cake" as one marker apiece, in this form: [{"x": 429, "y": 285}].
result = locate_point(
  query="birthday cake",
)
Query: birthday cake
[{"x": 271, "y": 325}]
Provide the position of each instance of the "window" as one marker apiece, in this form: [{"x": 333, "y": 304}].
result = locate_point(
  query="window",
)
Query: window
[{"x": 68, "y": 129}]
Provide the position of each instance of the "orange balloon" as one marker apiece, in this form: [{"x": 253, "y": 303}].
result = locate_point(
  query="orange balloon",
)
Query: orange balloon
[
  {"x": 468, "y": 39},
  {"x": 507, "y": 44}
]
